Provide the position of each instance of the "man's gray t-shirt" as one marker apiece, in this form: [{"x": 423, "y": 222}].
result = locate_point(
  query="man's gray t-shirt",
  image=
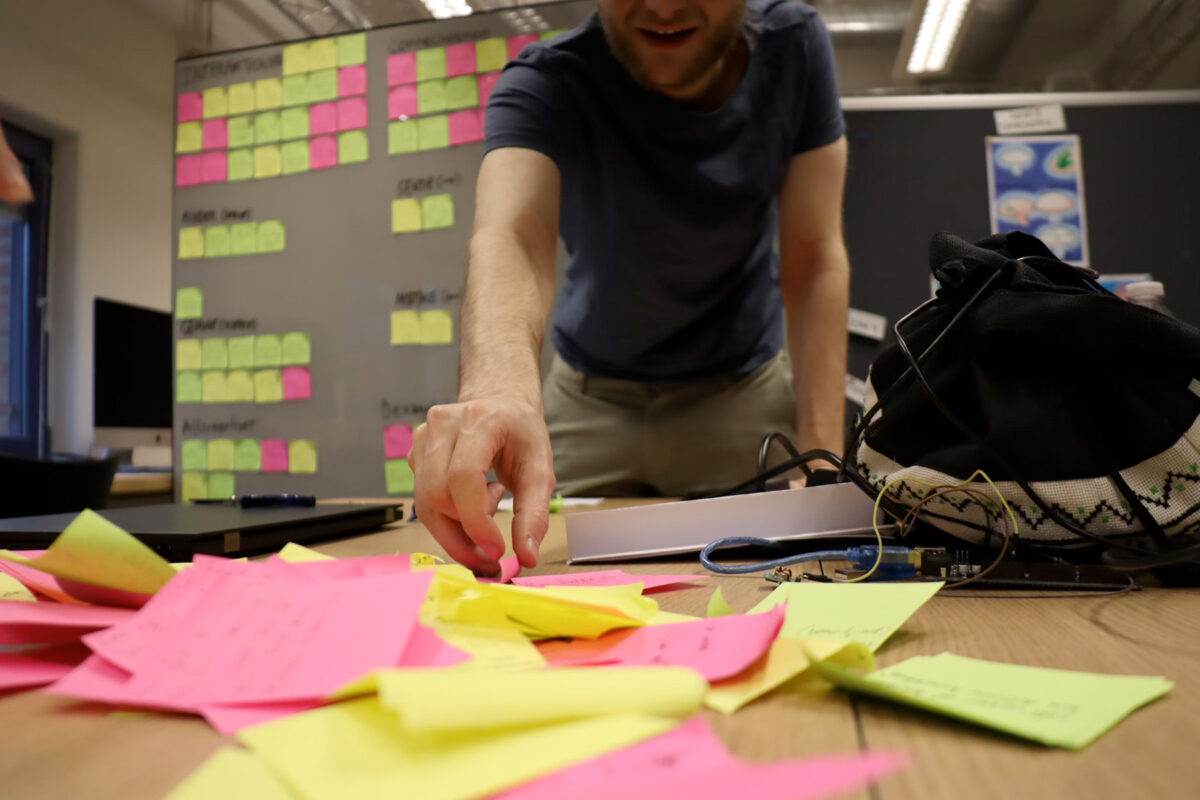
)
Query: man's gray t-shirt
[{"x": 669, "y": 215}]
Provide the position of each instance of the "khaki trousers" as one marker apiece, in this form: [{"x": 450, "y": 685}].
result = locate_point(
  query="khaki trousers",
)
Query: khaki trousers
[{"x": 621, "y": 438}]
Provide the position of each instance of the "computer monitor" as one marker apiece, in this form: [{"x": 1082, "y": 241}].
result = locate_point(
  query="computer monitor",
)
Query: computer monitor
[{"x": 132, "y": 399}]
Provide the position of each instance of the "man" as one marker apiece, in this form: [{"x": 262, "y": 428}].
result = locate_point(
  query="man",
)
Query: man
[
  {"x": 676, "y": 138},
  {"x": 14, "y": 188}
]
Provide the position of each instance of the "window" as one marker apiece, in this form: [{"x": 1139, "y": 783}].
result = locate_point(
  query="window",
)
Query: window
[{"x": 23, "y": 241}]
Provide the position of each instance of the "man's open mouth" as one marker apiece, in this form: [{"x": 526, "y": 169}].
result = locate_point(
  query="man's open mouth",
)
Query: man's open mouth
[{"x": 667, "y": 37}]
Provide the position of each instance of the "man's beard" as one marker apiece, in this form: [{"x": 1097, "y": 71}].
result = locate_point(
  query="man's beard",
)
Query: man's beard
[{"x": 721, "y": 46}]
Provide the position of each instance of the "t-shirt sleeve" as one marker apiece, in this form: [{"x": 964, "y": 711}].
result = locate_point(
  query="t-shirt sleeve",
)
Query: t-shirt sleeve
[
  {"x": 527, "y": 109},
  {"x": 821, "y": 120}
]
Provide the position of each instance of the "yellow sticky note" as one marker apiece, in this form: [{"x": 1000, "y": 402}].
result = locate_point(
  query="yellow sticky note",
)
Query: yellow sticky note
[
  {"x": 268, "y": 351},
  {"x": 13, "y": 589},
  {"x": 189, "y": 354},
  {"x": 717, "y": 607},
  {"x": 568, "y": 610},
  {"x": 268, "y": 162},
  {"x": 268, "y": 127},
  {"x": 272, "y": 236},
  {"x": 1058, "y": 707},
  {"x": 93, "y": 550},
  {"x": 239, "y": 387},
  {"x": 215, "y": 354},
  {"x": 296, "y": 349},
  {"x": 189, "y": 303},
  {"x": 191, "y": 242},
  {"x": 437, "y": 211},
  {"x": 295, "y": 58},
  {"x": 195, "y": 486},
  {"x": 372, "y": 756},
  {"x": 296, "y": 553},
  {"x": 241, "y": 352},
  {"x": 857, "y": 612},
  {"x": 322, "y": 54},
  {"x": 426, "y": 701},
  {"x": 268, "y": 94},
  {"x": 189, "y": 137},
  {"x": 216, "y": 241},
  {"x": 216, "y": 102},
  {"x": 437, "y": 327},
  {"x": 491, "y": 648},
  {"x": 220, "y": 454},
  {"x": 406, "y": 327},
  {"x": 406, "y": 215},
  {"x": 491, "y": 55},
  {"x": 302, "y": 456},
  {"x": 241, "y": 98},
  {"x": 187, "y": 387},
  {"x": 231, "y": 772},
  {"x": 268, "y": 386},
  {"x": 787, "y": 658},
  {"x": 213, "y": 387}
]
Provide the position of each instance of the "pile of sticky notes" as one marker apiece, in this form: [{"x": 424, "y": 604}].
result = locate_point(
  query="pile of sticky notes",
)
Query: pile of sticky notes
[
  {"x": 262, "y": 368},
  {"x": 313, "y": 116},
  {"x": 428, "y": 213},
  {"x": 209, "y": 466},
  {"x": 429, "y": 326},
  {"x": 238, "y": 239}
]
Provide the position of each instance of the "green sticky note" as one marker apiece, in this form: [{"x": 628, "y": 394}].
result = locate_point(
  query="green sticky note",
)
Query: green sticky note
[
  {"x": 191, "y": 242},
  {"x": 295, "y": 58},
  {"x": 437, "y": 327},
  {"x": 268, "y": 94},
  {"x": 294, "y": 123},
  {"x": 272, "y": 236},
  {"x": 547, "y": 35},
  {"x": 216, "y": 241},
  {"x": 213, "y": 387},
  {"x": 491, "y": 55},
  {"x": 295, "y": 157},
  {"x": 322, "y": 85},
  {"x": 241, "y": 352},
  {"x": 268, "y": 162},
  {"x": 322, "y": 54},
  {"x": 302, "y": 456},
  {"x": 267, "y": 350},
  {"x": 241, "y": 131},
  {"x": 398, "y": 475},
  {"x": 239, "y": 387},
  {"x": 461, "y": 92},
  {"x": 187, "y": 388},
  {"x": 402, "y": 136},
  {"x": 195, "y": 486},
  {"x": 221, "y": 486},
  {"x": 241, "y": 98},
  {"x": 296, "y": 349},
  {"x": 431, "y": 96},
  {"x": 266, "y": 127},
  {"x": 194, "y": 454},
  {"x": 406, "y": 215},
  {"x": 268, "y": 386},
  {"x": 717, "y": 607},
  {"x": 433, "y": 132},
  {"x": 243, "y": 238},
  {"x": 188, "y": 354},
  {"x": 215, "y": 354},
  {"x": 216, "y": 102},
  {"x": 295, "y": 90},
  {"x": 240, "y": 165},
  {"x": 352, "y": 147},
  {"x": 867, "y": 613},
  {"x": 247, "y": 456},
  {"x": 1058, "y": 707},
  {"x": 437, "y": 211},
  {"x": 220, "y": 454},
  {"x": 431, "y": 63},
  {"x": 189, "y": 303},
  {"x": 406, "y": 327},
  {"x": 189, "y": 137},
  {"x": 351, "y": 49}
]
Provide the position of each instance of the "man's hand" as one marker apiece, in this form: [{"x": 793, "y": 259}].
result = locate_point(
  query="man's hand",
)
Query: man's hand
[
  {"x": 13, "y": 186},
  {"x": 452, "y": 453}
]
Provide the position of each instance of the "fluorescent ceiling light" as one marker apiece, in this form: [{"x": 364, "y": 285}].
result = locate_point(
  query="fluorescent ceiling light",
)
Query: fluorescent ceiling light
[{"x": 936, "y": 35}]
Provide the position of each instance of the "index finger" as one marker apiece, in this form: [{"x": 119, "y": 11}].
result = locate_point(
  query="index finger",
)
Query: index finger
[{"x": 466, "y": 480}]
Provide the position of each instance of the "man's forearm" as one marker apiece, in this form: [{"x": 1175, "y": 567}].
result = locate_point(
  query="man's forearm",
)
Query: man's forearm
[{"x": 817, "y": 299}]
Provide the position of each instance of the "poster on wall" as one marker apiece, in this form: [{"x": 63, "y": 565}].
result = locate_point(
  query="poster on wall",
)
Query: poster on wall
[{"x": 1035, "y": 185}]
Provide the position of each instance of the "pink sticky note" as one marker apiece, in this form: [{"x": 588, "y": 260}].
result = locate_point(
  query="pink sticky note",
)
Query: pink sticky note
[
  {"x": 397, "y": 441},
  {"x": 216, "y": 133},
  {"x": 191, "y": 107},
  {"x": 352, "y": 113},
  {"x": 100, "y": 681},
  {"x": 607, "y": 577},
  {"x": 297, "y": 383},
  {"x": 275, "y": 453},
  {"x": 426, "y": 649},
  {"x": 402, "y": 68},
  {"x": 214, "y": 167},
  {"x": 352, "y": 80},
  {"x": 322, "y": 152},
  {"x": 188, "y": 170},
  {"x": 344, "y": 568},
  {"x": 402, "y": 102},
  {"x": 517, "y": 43},
  {"x": 69, "y": 591},
  {"x": 717, "y": 648},
  {"x": 465, "y": 127},
  {"x": 510, "y": 567},
  {"x": 460, "y": 59},
  {"x": 49, "y": 622},
  {"x": 39, "y": 666},
  {"x": 322, "y": 118},
  {"x": 229, "y": 719},
  {"x": 486, "y": 83}
]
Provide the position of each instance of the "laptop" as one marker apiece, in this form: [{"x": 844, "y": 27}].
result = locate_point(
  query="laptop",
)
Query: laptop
[{"x": 179, "y": 531}]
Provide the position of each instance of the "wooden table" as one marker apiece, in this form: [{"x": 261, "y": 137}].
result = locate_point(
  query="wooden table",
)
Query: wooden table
[
  {"x": 140, "y": 489},
  {"x": 60, "y": 748}
]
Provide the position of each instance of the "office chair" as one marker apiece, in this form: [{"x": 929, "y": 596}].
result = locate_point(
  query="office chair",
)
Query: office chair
[{"x": 54, "y": 485}]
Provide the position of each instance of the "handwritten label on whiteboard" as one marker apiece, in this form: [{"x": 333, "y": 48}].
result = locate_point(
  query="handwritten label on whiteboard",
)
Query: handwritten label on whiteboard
[
  {"x": 1031, "y": 119},
  {"x": 855, "y": 390},
  {"x": 864, "y": 323}
]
